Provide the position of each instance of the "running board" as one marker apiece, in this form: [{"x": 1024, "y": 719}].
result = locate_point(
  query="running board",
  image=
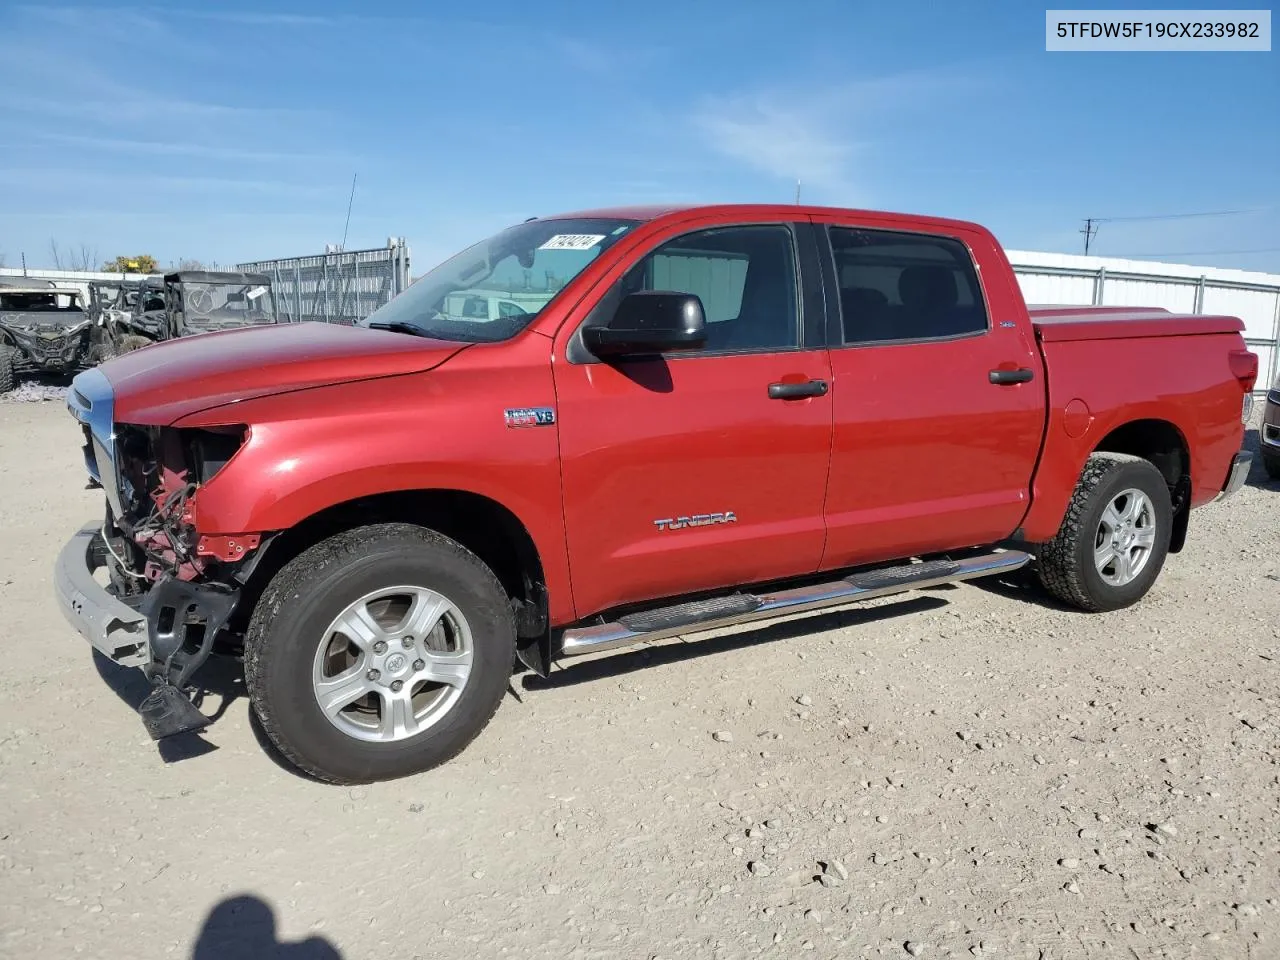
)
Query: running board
[{"x": 699, "y": 615}]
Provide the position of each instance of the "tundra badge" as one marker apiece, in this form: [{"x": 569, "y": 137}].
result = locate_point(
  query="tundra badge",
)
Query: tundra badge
[
  {"x": 697, "y": 520},
  {"x": 530, "y": 417}
]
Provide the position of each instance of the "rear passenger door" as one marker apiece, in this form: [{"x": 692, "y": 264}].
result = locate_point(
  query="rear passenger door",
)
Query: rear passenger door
[{"x": 928, "y": 454}]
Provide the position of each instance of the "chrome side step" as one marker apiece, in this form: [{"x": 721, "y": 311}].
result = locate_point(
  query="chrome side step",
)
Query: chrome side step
[{"x": 717, "y": 612}]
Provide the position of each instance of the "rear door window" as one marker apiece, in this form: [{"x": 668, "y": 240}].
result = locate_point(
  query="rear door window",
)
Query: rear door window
[{"x": 902, "y": 287}]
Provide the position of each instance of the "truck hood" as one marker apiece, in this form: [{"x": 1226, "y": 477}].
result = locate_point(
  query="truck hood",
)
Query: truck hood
[{"x": 161, "y": 383}]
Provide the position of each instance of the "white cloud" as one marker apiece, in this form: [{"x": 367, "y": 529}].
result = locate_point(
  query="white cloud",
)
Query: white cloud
[
  {"x": 778, "y": 139},
  {"x": 178, "y": 149},
  {"x": 55, "y": 182},
  {"x": 813, "y": 133}
]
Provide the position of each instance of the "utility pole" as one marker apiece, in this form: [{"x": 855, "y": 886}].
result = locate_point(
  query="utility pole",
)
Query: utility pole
[
  {"x": 1088, "y": 231},
  {"x": 797, "y": 191}
]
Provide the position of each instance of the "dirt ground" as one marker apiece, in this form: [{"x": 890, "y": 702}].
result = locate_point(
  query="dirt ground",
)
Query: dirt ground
[{"x": 973, "y": 772}]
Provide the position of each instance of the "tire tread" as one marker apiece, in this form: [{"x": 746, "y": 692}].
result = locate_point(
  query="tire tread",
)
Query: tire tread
[
  {"x": 8, "y": 367},
  {"x": 341, "y": 548},
  {"x": 1056, "y": 568}
]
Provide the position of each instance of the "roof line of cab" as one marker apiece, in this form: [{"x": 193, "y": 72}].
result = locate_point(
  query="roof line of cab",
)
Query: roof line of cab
[{"x": 664, "y": 211}]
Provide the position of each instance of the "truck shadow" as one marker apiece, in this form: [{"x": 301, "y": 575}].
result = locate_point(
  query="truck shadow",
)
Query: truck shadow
[
  {"x": 586, "y": 671},
  {"x": 1022, "y": 585},
  {"x": 221, "y": 678}
]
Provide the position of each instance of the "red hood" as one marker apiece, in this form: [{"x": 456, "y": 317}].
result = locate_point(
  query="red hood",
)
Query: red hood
[{"x": 161, "y": 383}]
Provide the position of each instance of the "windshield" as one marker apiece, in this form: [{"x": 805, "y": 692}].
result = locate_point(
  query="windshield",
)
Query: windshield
[
  {"x": 51, "y": 302},
  {"x": 494, "y": 289},
  {"x": 227, "y": 301},
  {"x": 101, "y": 295}
]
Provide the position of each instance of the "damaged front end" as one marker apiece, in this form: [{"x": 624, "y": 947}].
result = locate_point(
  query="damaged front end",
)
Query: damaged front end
[{"x": 144, "y": 587}]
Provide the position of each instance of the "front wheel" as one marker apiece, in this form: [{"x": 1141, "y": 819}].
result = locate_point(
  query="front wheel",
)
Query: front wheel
[
  {"x": 378, "y": 653},
  {"x": 1114, "y": 538}
]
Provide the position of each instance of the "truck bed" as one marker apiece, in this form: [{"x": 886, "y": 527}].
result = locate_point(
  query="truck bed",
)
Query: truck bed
[{"x": 1069, "y": 323}]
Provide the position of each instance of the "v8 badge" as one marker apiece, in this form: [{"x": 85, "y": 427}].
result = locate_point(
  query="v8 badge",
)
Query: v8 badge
[{"x": 530, "y": 417}]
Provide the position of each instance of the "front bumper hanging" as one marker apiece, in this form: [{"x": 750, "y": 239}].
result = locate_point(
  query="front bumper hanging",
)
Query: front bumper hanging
[
  {"x": 168, "y": 632},
  {"x": 112, "y": 626}
]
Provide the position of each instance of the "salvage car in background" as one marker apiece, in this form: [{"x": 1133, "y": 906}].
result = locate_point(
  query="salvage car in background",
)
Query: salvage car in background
[
  {"x": 131, "y": 315},
  {"x": 42, "y": 330},
  {"x": 201, "y": 301},
  {"x": 112, "y": 306},
  {"x": 183, "y": 303}
]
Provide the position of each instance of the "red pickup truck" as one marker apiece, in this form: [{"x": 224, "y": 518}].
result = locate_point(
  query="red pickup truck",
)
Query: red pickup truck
[{"x": 696, "y": 417}]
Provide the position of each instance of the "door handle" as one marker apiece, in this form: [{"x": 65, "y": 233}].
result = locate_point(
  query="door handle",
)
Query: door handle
[
  {"x": 1004, "y": 377},
  {"x": 794, "y": 391}
]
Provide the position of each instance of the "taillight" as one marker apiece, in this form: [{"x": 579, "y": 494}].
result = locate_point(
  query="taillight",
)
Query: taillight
[{"x": 1244, "y": 367}]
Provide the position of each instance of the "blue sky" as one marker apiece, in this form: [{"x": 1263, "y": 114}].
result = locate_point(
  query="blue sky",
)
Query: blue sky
[{"x": 231, "y": 132}]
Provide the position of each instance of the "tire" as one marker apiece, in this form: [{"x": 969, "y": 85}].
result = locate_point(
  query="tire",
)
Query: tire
[
  {"x": 1066, "y": 565},
  {"x": 103, "y": 350},
  {"x": 292, "y": 623},
  {"x": 133, "y": 341},
  {"x": 8, "y": 368},
  {"x": 1271, "y": 463}
]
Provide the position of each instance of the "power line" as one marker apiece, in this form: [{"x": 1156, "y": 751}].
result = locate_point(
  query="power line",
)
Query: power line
[
  {"x": 1091, "y": 229},
  {"x": 1199, "y": 253},
  {"x": 1177, "y": 216}
]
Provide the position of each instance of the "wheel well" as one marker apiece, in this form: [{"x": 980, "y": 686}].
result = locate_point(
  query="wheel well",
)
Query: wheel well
[
  {"x": 1161, "y": 443},
  {"x": 485, "y": 527}
]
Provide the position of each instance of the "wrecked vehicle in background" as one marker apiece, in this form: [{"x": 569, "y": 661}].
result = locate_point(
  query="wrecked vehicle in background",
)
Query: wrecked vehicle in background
[
  {"x": 42, "y": 330},
  {"x": 111, "y": 308},
  {"x": 201, "y": 301},
  {"x": 184, "y": 303},
  {"x": 127, "y": 314}
]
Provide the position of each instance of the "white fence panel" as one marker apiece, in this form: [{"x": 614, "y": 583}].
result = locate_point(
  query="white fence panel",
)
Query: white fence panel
[
  {"x": 1178, "y": 297},
  {"x": 1055, "y": 287},
  {"x": 1063, "y": 278},
  {"x": 1257, "y": 308}
]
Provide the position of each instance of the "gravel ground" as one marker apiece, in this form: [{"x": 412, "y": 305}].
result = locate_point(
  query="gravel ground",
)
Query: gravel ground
[{"x": 964, "y": 772}]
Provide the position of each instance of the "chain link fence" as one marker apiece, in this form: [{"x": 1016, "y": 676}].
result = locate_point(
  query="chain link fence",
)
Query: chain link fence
[{"x": 338, "y": 286}]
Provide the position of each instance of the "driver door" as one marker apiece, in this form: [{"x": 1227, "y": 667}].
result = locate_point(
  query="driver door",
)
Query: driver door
[{"x": 686, "y": 472}]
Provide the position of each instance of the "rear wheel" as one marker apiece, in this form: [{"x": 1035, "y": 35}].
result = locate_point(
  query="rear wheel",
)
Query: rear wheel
[
  {"x": 1114, "y": 538},
  {"x": 8, "y": 368},
  {"x": 378, "y": 653}
]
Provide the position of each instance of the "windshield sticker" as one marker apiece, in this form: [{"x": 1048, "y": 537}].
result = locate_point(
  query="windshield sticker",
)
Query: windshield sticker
[{"x": 572, "y": 241}]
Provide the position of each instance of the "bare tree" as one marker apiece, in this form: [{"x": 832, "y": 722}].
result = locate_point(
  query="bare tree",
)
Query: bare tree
[{"x": 83, "y": 259}]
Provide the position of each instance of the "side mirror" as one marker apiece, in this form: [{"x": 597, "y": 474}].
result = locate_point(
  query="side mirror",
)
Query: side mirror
[{"x": 650, "y": 322}]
